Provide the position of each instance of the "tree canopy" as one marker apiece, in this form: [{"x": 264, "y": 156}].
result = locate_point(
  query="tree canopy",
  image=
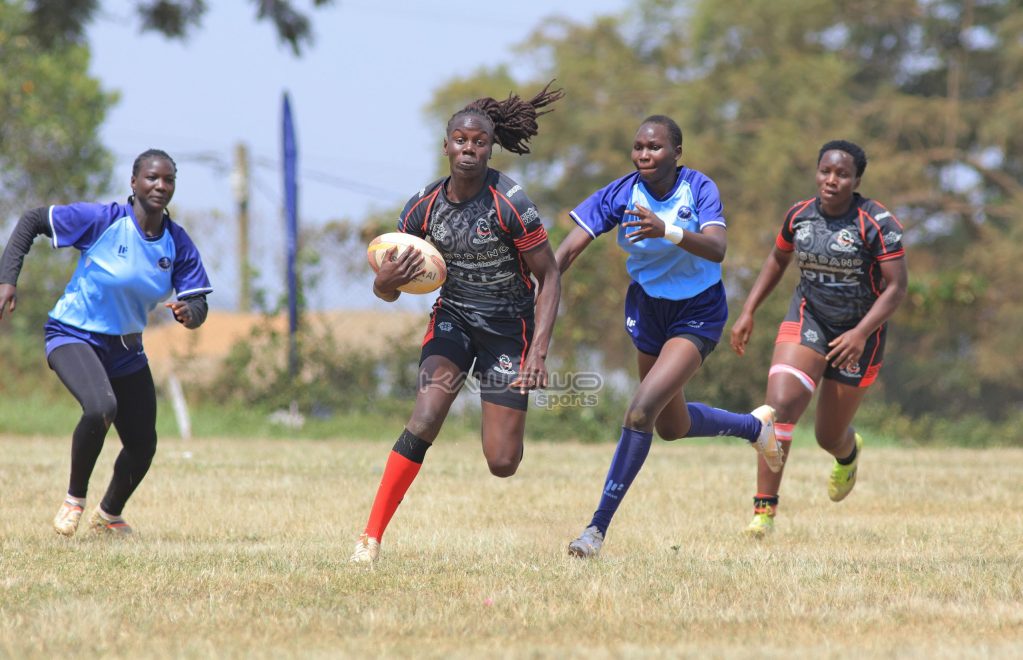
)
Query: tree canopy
[
  {"x": 931, "y": 88},
  {"x": 64, "y": 21}
]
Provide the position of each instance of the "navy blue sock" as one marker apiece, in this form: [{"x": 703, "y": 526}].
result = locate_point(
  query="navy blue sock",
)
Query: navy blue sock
[
  {"x": 707, "y": 422},
  {"x": 632, "y": 450}
]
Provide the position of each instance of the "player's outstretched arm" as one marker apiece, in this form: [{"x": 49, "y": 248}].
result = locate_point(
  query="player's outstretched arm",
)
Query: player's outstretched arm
[{"x": 572, "y": 247}]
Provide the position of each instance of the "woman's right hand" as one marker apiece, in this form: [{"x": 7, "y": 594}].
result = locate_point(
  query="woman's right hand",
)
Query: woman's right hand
[
  {"x": 8, "y": 298},
  {"x": 742, "y": 330},
  {"x": 396, "y": 271}
]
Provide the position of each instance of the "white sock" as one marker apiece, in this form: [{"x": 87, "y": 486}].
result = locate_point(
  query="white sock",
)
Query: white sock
[
  {"x": 70, "y": 499},
  {"x": 107, "y": 516}
]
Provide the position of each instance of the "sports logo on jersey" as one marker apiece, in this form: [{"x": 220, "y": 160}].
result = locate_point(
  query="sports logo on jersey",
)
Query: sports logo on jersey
[
  {"x": 844, "y": 241},
  {"x": 164, "y": 263},
  {"x": 811, "y": 336},
  {"x": 850, "y": 372},
  {"x": 504, "y": 365},
  {"x": 630, "y": 323},
  {"x": 803, "y": 232},
  {"x": 685, "y": 213},
  {"x": 514, "y": 189},
  {"x": 694, "y": 324},
  {"x": 445, "y": 326},
  {"x": 892, "y": 237},
  {"x": 483, "y": 234},
  {"x": 530, "y": 215},
  {"x": 122, "y": 250},
  {"x": 439, "y": 232}
]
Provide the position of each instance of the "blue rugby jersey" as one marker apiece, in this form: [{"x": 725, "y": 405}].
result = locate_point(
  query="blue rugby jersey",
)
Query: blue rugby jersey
[
  {"x": 121, "y": 274},
  {"x": 663, "y": 269}
]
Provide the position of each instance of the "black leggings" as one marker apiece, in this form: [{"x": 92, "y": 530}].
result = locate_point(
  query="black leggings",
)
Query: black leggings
[{"x": 129, "y": 402}]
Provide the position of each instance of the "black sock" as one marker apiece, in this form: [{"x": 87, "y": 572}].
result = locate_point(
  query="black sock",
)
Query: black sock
[{"x": 848, "y": 459}]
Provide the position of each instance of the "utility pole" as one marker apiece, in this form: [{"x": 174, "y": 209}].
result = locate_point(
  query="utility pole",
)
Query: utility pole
[{"x": 240, "y": 183}]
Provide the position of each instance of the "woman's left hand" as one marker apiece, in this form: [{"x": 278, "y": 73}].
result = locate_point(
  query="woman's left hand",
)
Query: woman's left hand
[
  {"x": 649, "y": 225},
  {"x": 846, "y": 349},
  {"x": 532, "y": 376},
  {"x": 182, "y": 312}
]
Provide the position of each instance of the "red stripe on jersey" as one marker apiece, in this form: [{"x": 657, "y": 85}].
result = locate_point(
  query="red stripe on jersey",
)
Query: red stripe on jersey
[
  {"x": 429, "y": 199},
  {"x": 530, "y": 241},
  {"x": 514, "y": 210},
  {"x": 497, "y": 207},
  {"x": 892, "y": 255}
]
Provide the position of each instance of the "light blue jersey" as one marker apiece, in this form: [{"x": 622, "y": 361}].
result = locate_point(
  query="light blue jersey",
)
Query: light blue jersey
[
  {"x": 663, "y": 269},
  {"x": 121, "y": 275}
]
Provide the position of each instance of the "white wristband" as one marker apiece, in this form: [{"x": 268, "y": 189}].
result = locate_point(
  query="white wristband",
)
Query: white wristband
[{"x": 673, "y": 233}]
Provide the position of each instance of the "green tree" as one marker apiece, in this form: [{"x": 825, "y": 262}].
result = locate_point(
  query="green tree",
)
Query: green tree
[
  {"x": 55, "y": 22},
  {"x": 50, "y": 113},
  {"x": 932, "y": 89}
]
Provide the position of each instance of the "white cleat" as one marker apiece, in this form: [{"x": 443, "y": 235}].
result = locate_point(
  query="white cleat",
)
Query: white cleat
[
  {"x": 366, "y": 551},
  {"x": 588, "y": 544},
  {"x": 68, "y": 516},
  {"x": 766, "y": 443}
]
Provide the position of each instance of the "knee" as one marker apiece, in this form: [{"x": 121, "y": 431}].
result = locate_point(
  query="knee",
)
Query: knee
[
  {"x": 503, "y": 468},
  {"x": 425, "y": 424},
  {"x": 639, "y": 417},
  {"x": 102, "y": 411}
]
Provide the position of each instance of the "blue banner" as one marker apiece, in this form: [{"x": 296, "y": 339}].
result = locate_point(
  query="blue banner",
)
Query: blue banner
[{"x": 291, "y": 227}]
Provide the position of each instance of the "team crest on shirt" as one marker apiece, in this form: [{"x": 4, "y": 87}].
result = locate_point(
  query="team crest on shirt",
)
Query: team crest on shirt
[
  {"x": 844, "y": 241},
  {"x": 504, "y": 365},
  {"x": 164, "y": 263},
  {"x": 439, "y": 231},
  {"x": 803, "y": 232},
  {"x": 482, "y": 233},
  {"x": 685, "y": 213}
]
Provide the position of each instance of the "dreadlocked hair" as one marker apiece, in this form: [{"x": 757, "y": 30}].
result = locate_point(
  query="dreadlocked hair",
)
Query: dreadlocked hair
[{"x": 513, "y": 121}]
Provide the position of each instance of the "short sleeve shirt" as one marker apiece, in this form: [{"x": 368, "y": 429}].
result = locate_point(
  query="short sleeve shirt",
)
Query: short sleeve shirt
[
  {"x": 840, "y": 258},
  {"x": 482, "y": 241},
  {"x": 662, "y": 268},
  {"x": 121, "y": 274}
]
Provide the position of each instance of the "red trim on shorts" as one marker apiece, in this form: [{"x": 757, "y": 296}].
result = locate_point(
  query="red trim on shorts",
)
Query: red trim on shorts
[
  {"x": 790, "y": 332},
  {"x": 870, "y": 375},
  {"x": 525, "y": 344},
  {"x": 429, "y": 326}
]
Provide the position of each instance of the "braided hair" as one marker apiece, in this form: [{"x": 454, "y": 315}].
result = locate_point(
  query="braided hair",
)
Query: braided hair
[
  {"x": 152, "y": 153},
  {"x": 512, "y": 121}
]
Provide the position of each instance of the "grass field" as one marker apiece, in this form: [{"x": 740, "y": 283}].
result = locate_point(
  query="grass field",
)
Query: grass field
[{"x": 242, "y": 547}]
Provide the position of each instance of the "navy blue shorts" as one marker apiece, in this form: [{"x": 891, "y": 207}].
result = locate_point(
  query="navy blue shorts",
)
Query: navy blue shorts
[
  {"x": 651, "y": 322},
  {"x": 493, "y": 348},
  {"x": 120, "y": 354}
]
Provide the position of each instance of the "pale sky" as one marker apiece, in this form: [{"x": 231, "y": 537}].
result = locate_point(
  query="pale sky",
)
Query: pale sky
[{"x": 373, "y": 65}]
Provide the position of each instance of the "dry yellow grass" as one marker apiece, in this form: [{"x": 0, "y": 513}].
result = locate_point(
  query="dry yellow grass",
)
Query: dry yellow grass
[{"x": 242, "y": 551}]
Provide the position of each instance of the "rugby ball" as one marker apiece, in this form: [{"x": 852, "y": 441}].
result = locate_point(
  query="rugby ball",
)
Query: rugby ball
[{"x": 433, "y": 263}]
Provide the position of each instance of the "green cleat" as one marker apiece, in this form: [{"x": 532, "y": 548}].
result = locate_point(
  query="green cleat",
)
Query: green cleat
[
  {"x": 762, "y": 525},
  {"x": 843, "y": 477}
]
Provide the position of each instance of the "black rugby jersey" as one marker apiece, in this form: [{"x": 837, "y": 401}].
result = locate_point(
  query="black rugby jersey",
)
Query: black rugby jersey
[
  {"x": 839, "y": 258},
  {"x": 482, "y": 241}
]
